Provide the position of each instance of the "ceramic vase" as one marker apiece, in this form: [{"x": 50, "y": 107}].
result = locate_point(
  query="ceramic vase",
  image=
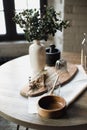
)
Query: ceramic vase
[{"x": 37, "y": 56}]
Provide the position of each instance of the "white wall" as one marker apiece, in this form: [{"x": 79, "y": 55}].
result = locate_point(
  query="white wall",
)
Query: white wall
[{"x": 76, "y": 12}]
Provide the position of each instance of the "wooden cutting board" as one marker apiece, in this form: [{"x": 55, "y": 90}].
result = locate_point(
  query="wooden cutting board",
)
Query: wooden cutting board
[{"x": 64, "y": 77}]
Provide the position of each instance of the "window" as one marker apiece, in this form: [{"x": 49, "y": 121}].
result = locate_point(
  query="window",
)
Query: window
[
  {"x": 2, "y": 23},
  {"x": 26, "y": 4},
  {"x": 8, "y": 29}
]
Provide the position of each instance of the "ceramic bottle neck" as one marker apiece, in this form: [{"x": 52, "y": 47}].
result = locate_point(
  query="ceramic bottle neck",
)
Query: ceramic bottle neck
[{"x": 36, "y": 42}]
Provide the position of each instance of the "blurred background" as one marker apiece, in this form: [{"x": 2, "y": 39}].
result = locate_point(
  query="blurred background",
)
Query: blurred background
[{"x": 12, "y": 40}]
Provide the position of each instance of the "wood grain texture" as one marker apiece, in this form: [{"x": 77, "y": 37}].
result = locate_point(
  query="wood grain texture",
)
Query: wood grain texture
[
  {"x": 13, "y": 76},
  {"x": 51, "y": 74}
]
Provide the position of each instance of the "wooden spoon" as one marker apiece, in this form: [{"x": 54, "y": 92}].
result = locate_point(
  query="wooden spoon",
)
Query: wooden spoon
[{"x": 51, "y": 92}]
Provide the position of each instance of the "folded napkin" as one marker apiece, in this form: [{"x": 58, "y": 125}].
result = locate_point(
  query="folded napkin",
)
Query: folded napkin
[{"x": 69, "y": 91}]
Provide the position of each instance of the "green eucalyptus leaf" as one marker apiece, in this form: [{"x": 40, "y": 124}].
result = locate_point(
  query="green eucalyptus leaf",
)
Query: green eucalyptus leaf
[{"x": 37, "y": 26}]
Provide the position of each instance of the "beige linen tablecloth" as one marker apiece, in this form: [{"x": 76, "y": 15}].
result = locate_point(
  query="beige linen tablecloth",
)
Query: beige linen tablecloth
[{"x": 70, "y": 91}]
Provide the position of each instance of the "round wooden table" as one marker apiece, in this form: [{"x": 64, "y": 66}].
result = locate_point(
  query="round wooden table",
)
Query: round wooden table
[{"x": 13, "y": 107}]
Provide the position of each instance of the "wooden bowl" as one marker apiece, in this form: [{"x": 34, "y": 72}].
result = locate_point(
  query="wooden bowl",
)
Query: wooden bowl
[{"x": 51, "y": 106}]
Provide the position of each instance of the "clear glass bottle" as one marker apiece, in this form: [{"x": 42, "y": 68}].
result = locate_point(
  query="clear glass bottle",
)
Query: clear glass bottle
[{"x": 84, "y": 52}]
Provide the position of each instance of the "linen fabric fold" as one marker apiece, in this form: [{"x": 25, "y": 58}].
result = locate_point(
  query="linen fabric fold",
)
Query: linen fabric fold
[{"x": 69, "y": 91}]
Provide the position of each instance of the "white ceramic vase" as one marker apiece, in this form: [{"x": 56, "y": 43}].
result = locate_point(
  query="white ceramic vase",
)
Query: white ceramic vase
[{"x": 37, "y": 56}]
